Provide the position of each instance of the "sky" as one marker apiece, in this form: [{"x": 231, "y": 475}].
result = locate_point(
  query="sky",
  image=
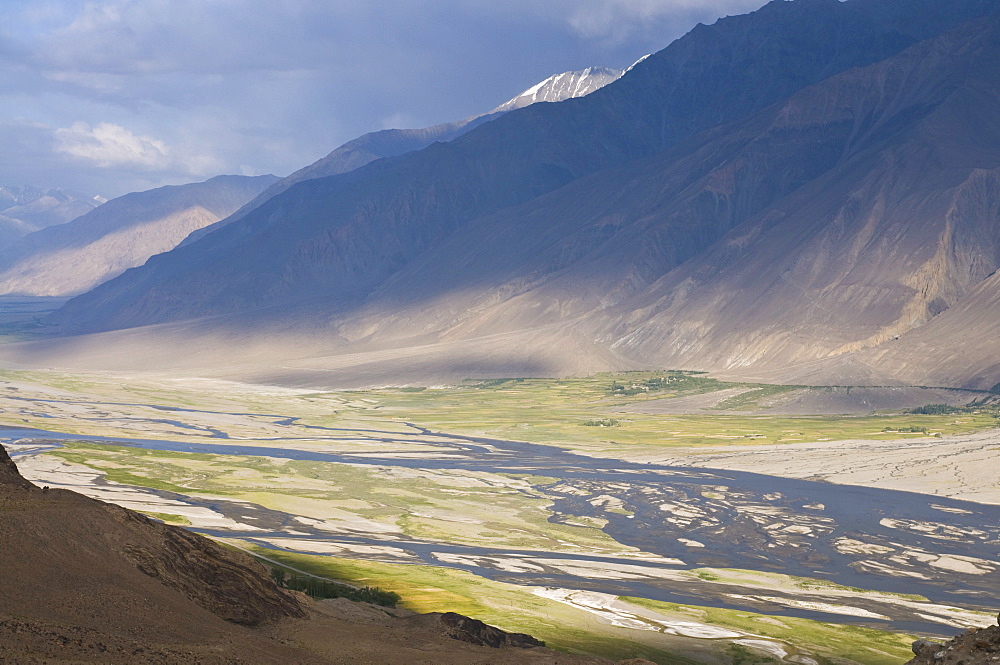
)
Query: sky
[{"x": 109, "y": 97}]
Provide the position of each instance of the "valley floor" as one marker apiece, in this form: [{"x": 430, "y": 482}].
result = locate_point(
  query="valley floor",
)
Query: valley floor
[{"x": 582, "y": 511}]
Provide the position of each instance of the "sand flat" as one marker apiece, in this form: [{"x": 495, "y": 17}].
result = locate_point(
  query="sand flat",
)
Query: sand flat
[{"x": 958, "y": 467}]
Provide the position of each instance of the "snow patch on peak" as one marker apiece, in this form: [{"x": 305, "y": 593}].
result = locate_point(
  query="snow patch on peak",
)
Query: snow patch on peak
[{"x": 563, "y": 86}]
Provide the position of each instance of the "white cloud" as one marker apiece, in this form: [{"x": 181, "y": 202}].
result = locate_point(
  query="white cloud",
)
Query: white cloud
[{"x": 107, "y": 144}]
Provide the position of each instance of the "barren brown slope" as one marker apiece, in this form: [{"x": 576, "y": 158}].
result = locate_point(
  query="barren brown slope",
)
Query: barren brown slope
[
  {"x": 88, "y": 582},
  {"x": 91, "y": 582},
  {"x": 961, "y": 346}
]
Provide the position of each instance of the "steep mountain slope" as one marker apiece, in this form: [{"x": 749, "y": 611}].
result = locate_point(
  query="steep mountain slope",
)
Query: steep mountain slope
[
  {"x": 71, "y": 258},
  {"x": 335, "y": 239},
  {"x": 902, "y": 228},
  {"x": 392, "y": 142}
]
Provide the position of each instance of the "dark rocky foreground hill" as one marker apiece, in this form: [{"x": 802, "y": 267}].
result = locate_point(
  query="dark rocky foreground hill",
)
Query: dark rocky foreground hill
[{"x": 83, "y": 581}]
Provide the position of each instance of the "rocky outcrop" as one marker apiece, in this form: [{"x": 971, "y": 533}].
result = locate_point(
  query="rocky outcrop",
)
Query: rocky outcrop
[
  {"x": 225, "y": 582},
  {"x": 465, "y": 629},
  {"x": 977, "y": 646},
  {"x": 9, "y": 475}
]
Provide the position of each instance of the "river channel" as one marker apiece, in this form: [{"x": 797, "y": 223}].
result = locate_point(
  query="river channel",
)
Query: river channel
[{"x": 864, "y": 537}]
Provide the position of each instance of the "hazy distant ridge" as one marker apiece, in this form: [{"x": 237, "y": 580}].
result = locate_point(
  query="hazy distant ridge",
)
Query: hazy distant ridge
[
  {"x": 25, "y": 209},
  {"x": 70, "y": 258}
]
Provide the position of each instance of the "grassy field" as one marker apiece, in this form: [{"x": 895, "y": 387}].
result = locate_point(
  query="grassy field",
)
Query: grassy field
[
  {"x": 583, "y": 414},
  {"x": 828, "y": 641},
  {"x": 516, "y": 608},
  {"x": 513, "y": 608},
  {"x": 578, "y": 413}
]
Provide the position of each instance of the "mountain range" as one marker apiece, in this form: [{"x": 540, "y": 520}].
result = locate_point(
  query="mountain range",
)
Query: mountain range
[
  {"x": 805, "y": 192},
  {"x": 77, "y": 254}
]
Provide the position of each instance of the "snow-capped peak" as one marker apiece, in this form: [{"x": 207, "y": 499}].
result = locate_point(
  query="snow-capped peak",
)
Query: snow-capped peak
[{"x": 563, "y": 86}]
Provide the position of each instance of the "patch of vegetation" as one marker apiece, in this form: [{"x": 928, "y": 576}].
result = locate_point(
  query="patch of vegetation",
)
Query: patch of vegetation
[
  {"x": 603, "y": 422},
  {"x": 673, "y": 381},
  {"x": 507, "y": 606},
  {"x": 550, "y": 411},
  {"x": 318, "y": 587},
  {"x": 821, "y": 640},
  {"x": 450, "y": 507},
  {"x": 741, "y": 655},
  {"x": 937, "y": 409},
  {"x": 911, "y": 429},
  {"x": 492, "y": 383},
  {"x": 168, "y": 518}
]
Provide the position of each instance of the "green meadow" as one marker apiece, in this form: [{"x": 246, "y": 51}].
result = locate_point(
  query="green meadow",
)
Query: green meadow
[
  {"x": 516, "y": 608},
  {"x": 589, "y": 415}
]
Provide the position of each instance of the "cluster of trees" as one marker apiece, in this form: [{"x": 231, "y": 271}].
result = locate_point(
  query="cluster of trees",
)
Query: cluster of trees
[
  {"x": 603, "y": 422},
  {"x": 318, "y": 587},
  {"x": 937, "y": 409},
  {"x": 675, "y": 381}
]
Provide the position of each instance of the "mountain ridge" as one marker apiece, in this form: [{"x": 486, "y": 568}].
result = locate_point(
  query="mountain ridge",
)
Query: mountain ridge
[
  {"x": 510, "y": 179},
  {"x": 25, "y": 209},
  {"x": 394, "y": 142}
]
